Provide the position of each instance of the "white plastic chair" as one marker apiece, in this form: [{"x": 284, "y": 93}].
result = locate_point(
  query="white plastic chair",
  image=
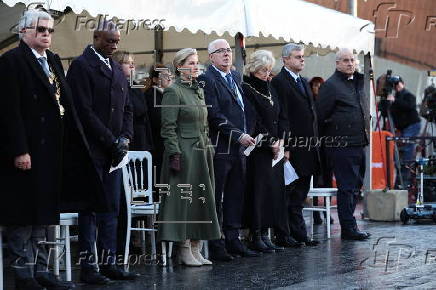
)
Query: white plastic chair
[
  {"x": 63, "y": 238},
  {"x": 133, "y": 181},
  {"x": 327, "y": 193}
]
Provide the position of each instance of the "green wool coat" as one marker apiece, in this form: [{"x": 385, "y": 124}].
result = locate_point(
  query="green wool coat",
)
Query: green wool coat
[{"x": 191, "y": 196}]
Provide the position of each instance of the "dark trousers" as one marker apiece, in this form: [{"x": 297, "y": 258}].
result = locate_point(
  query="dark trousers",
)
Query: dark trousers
[
  {"x": 349, "y": 169},
  {"x": 297, "y": 194},
  {"x": 229, "y": 195},
  {"x": 106, "y": 223},
  {"x": 29, "y": 259}
]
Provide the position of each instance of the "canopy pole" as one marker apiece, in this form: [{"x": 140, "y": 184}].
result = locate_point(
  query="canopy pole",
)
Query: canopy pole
[
  {"x": 239, "y": 58},
  {"x": 367, "y": 182},
  {"x": 158, "y": 44}
]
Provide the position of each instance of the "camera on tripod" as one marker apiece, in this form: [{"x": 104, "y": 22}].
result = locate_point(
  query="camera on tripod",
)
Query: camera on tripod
[
  {"x": 385, "y": 87},
  {"x": 428, "y": 106}
]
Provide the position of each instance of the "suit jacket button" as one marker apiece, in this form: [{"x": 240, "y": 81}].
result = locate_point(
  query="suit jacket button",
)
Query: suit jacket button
[
  {"x": 101, "y": 138},
  {"x": 113, "y": 109},
  {"x": 42, "y": 119},
  {"x": 42, "y": 141},
  {"x": 35, "y": 96}
]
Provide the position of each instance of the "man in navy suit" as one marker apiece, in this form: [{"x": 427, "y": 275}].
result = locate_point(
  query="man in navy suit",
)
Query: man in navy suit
[
  {"x": 101, "y": 95},
  {"x": 301, "y": 148},
  {"x": 231, "y": 120}
]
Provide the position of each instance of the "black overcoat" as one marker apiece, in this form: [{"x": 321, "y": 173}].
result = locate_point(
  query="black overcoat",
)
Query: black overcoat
[
  {"x": 31, "y": 123},
  {"x": 302, "y": 139}
]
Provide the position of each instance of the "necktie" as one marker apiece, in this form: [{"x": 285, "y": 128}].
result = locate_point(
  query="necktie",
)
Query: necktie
[
  {"x": 232, "y": 85},
  {"x": 44, "y": 64},
  {"x": 300, "y": 86}
]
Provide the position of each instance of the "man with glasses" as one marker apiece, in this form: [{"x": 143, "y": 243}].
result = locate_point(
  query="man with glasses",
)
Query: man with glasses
[
  {"x": 39, "y": 125},
  {"x": 300, "y": 142},
  {"x": 101, "y": 95},
  {"x": 231, "y": 120}
]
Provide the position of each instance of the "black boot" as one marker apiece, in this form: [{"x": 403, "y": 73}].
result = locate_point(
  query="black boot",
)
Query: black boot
[
  {"x": 317, "y": 220},
  {"x": 269, "y": 243},
  {"x": 257, "y": 243}
]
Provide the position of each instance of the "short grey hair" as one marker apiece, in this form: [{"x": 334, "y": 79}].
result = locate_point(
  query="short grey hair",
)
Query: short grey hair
[
  {"x": 341, "y": 52},
  {"x": 290, "y": 47},
  {"x": 30, "y": 17},
  {"x": 212, "y": 45},
  {"x": 259, "y": 59},
  {"x": 181, "y": 56}
]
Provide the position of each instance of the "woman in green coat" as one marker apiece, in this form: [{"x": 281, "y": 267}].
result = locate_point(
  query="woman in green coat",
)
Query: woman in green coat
[{"x": 187, "y": 213}]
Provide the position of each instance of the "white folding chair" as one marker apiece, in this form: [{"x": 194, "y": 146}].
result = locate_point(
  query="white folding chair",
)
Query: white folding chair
[
  {"x": 327, "y": 193},
  {"x": 133, "y": 181},
  {"x": 63, "y": 238}
]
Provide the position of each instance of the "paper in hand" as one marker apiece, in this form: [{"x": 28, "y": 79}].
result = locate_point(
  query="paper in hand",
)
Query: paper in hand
[
  {"x": 121, "y": 164},
  {"x": 280, "y": 157},
  {"x": 251, "y": 147},
  {"x": 290, "y": 174}
]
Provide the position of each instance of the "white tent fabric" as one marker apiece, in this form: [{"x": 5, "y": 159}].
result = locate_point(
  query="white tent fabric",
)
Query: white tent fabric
[{"x": 290, "y": 19}]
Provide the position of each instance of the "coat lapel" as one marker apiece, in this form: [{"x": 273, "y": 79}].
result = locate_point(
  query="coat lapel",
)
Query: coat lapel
[
  {"x": 225, "y": 84},
  {"x": 95, "y": 61},
  {"x": 34, "y": 64}
]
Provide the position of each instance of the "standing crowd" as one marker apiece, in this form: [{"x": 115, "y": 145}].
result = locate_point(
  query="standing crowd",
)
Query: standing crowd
[{"x": 64, "y": 133}]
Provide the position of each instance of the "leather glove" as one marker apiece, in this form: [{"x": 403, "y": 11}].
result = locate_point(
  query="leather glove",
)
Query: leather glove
[
  {"x": 119, "y": 149},
  {"x": 175, "y": 163}
]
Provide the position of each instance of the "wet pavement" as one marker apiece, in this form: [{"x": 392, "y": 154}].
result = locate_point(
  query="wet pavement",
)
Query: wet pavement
[{"x": 395, "y": 257}]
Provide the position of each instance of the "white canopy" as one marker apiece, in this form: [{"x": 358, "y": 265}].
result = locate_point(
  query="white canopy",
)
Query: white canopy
[{"x": 290, "y": 19}]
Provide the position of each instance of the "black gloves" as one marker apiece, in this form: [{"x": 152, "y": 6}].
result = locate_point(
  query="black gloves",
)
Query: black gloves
[
  {"x": 175, "y": 162},
  {"x": 119, "y": 149}
]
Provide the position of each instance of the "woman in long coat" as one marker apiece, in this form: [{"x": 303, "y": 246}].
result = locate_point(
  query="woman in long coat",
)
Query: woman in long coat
[
  {"x": 265, "y": 194},
  {"x": 187, "y": 212}
]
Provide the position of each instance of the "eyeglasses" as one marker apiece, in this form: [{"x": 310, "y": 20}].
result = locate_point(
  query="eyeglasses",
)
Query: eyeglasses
[
  {"x": 222, "y": 50},
  {"x": 41, "y": 29}
]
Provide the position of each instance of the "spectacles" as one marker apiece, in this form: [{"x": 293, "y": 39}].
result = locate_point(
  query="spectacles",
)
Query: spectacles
[
  {"x": 222, "y": 50},
  {"x": 42, "y": 29}
]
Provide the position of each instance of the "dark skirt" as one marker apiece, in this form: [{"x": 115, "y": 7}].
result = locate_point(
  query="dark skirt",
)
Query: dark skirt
[{"x": 265, "y": 195}]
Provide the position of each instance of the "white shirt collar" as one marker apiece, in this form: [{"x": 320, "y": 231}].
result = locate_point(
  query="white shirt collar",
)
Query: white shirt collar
[
  {"x": 350, "y": 77},
  {"x": 223, "y": 74},
  {"x": 294, "y": 75},
  {"x": 37, "y": 55},
  {"x": 104, "y": 60}
]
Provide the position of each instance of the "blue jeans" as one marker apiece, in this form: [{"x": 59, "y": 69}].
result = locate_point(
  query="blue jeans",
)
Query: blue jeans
[{"x": 408, "y": 151}]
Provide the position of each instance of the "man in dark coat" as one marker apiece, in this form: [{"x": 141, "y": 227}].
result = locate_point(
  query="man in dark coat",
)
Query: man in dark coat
[
  {"x": 343, "y": 111},
  {"x": 39, "y": 122},
  {"x": 301, "y": 141},
  {"x": 231, "y": 121},
  {"x": 100, "y": 93}
]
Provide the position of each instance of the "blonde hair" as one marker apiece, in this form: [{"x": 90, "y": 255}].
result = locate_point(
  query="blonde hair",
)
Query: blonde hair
[
  {"x": 258, "y": 59},
  {"x": 121, "y": 56},
  {"x": 181, "y": 56}
]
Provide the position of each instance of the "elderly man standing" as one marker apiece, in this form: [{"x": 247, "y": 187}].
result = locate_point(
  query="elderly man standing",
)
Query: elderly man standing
[
  {"x": 41, "y": 131},
  {"x": 231, "y": 120},
  {"x": 342, "y": 109},
  {"x": 100, "y": 93},
  {"x": 297, "y": 99}
]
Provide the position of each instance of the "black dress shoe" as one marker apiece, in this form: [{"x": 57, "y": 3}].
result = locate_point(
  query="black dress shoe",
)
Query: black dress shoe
[
  {"x": 93, "y": 277},
  {"x": 270, "y": 244},
  {"x": 354, "y": 235},
  {"x": 287, "y": 242},
  {"x": 311, "y": 243},
  {"x": 317, "y": 220},
  {"x": 51, "y": 282},
  {"x": 114, "y": 272},
  {"x": 258, "y": 245},
  {"x": 28, "y": 284},
  {"x": 220, "y": 254},
  {"x": 237, "y": 248}
]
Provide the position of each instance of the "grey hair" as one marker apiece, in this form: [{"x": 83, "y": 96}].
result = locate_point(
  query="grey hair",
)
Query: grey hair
[
  {"x": 290, "y": 47},
  {"x": 30, "y": 17},
  {"x": 181, "y": 56},
  {"x": 211, "y": 46},
  {"x": 258, "y": 59},
  {"x": 341, "y": 52}
]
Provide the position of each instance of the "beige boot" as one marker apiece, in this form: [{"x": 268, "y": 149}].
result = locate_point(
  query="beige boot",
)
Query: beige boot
[
  {"x": 196, "y": 247},
  {"x": 185, "y": 255}
]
